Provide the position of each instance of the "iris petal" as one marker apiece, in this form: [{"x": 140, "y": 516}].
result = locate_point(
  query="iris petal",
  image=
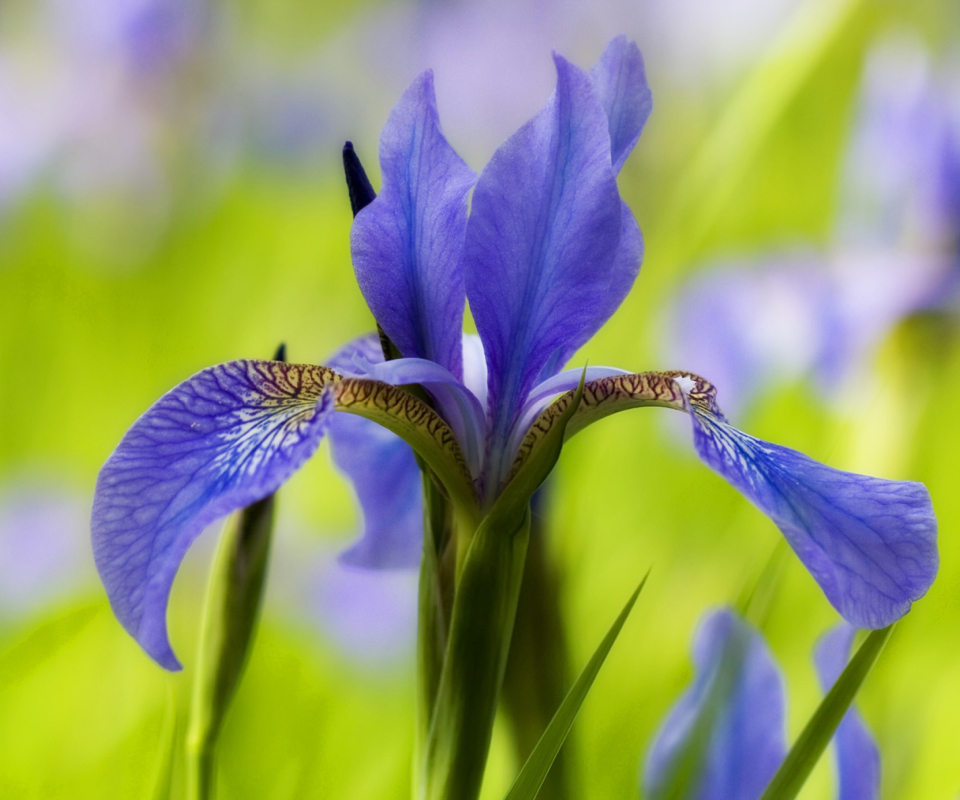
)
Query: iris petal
[
  {"x": 541, "y": 259},
  {"x": 384, "y": 474},
  {"x": 621, "y": 81},
  {"x": 725, "y": 737},
  {"x": 221, "y": 440},
  {"x": 406, "y": 244},
  {"x": 858, "y": 759},
  {"x": 459, "y": 405},
  {"x": 870, "y": 543},
  {"x": 386, "y": 479}
]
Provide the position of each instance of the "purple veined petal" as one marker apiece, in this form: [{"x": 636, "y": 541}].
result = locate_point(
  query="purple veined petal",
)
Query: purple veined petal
[
  {"x": 858, "y": 759},
  {"x": 734, "y": 715},
  {"x": 406, "y": 244},
  {"x": 460, "y": 407},
  {"x": 621, "y": 81},
  {"x": 386, "y": 479},
  {"x": 870, "y": 543},
  {"x": 629, "y": 257},
  {"x": 542, "y": 244},
  {"x": 383, "y": 471},
  {"x": 221, "y": 440}
]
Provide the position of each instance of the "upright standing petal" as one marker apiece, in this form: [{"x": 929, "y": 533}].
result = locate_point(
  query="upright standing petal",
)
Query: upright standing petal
[
  {"x": 384, "y": 473},
  {"x": 725, "y": 737},
  {"x": 870, "y": 543},
  {"x": 221, "y": 440},
  {"x": 858, "y": 759},
  {"x": 541, "y": 254},
  {"x": 406, "y": 244},
  {"x": 621, "y": 82}
]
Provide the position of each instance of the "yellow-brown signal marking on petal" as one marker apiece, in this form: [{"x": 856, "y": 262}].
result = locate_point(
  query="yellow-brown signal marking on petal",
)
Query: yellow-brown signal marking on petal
[
  {"x": 413, "y": 421},
  {"x": 681, "y": 391},
  {"x": 392, "y": 407}
]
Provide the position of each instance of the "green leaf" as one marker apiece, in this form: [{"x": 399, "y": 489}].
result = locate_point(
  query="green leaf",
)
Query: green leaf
[
  {"x": 166, "y": 754},
  {"x": 811, "y": 743},
  {"x": 752, "y": 115},
  {"x": 434, "y": 603},
  {"x": 535, "y": 770}
]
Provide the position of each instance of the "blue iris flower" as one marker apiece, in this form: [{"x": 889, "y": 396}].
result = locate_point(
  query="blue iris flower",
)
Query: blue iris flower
[
  {"x": 547, "y": 253},
  {"x": 724, "y": 739}
]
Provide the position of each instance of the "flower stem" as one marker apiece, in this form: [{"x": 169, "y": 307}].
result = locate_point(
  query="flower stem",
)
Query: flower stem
[
  {"x": 484, "y": 608},
  {"x": 435, "y": 603},
  {"x": 538, "y": 672},
  {"x": 229, "y": 619}
]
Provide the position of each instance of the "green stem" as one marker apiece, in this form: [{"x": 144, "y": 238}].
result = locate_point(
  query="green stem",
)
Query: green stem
[
  {"x": 226, "y": 631},
  {"x": 199, "y": 771},
  {"x": 435, "y": 604},
  {"x": 538, "y": 670},
  {"x": 481, "y": 628}
]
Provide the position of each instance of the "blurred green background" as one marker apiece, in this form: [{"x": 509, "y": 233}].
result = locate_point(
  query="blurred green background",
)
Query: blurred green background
[{"x": 170, "y": 198}]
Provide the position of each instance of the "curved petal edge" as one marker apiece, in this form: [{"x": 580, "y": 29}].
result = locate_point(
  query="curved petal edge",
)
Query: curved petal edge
[
  {"x": 221, "y": 440},
  {"x": 870, "y": 543}
]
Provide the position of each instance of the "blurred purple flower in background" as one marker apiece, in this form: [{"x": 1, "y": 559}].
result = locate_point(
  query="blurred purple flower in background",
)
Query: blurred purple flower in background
[
  {"x": 369, "y": 615},
  {"x": 44, "y": 552},
  {"x": 856, "y": 753},
  {"x": 894, "y": 252},
  {"x": 724, "y": 739},
  {"x": 772, "y": 322},
  {"x": 89, "y": 97},
  {"x": 478, "y": 48}
]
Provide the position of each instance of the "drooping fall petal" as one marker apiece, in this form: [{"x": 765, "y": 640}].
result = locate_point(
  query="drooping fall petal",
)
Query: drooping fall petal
[
  {"x": 221, "y": 440},
  {"x": 870, "y": 543},
  {"x": 384, "y": 474}
]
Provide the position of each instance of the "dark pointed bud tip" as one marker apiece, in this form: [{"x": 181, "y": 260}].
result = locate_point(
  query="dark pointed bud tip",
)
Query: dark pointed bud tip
[
  {"x": 281, "y": 354},
  {"x": 358, "y": 184}
]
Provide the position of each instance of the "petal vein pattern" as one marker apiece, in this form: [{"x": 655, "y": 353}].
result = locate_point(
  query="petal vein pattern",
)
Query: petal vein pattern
[
  {"x": 542, "y": 240},
  {"x": 221, "y": 440},
  {"x": 406, "y": 244},
  {"x": 870, "y": 543}
]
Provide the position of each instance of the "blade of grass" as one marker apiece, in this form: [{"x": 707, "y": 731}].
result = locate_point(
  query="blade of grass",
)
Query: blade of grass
[
  {"x": 811, "y": 743},
  {"x": 535, "y": 770},
  {"x": 166, "y": 755}
]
